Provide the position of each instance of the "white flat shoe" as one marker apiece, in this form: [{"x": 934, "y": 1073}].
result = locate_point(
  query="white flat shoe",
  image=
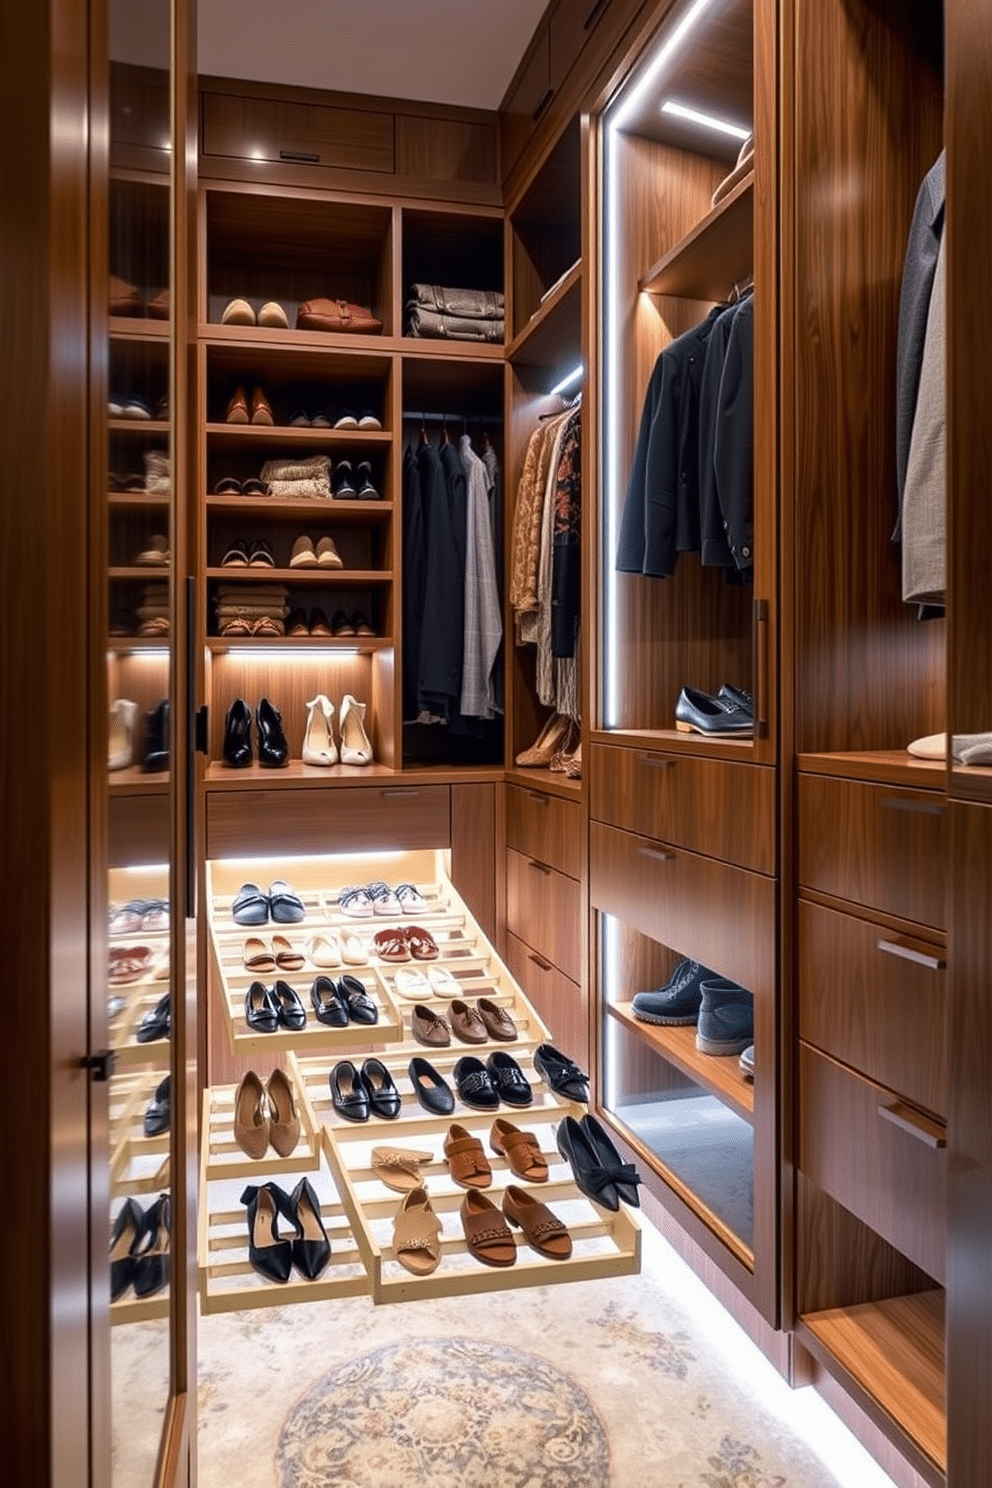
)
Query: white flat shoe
[
  {"x": 412, "y": 985},
  {"x": 353, "y": 952},
  {"x": 443, "y": 984},
  {"x": 324, "y": 950},
  {"x": 355, "y": 746},
  {"x": 123, "y": 727},
  {"x": 319, "y": 747}
]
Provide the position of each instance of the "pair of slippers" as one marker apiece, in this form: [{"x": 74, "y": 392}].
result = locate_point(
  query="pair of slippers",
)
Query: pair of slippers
[{"x": 252, "y": 907}]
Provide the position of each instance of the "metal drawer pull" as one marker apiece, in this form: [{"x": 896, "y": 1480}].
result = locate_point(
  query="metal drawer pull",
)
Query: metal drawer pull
[
  {"x": 910, "y": 952},
  {"x": 544, "y": 965},
  {"x": 536, "y": 796},
  {"x": 395, "y": 791},
  {"x": 659, "y": 857},
  {"x": 539, "y": 866},
  {"x": 545, "y": 99},
  {"x": 908, "y": 1119},
  {"x": 919, "y": 808},
  {"x": 655, "y": 762},
  {"x": 300, "y": 157}
]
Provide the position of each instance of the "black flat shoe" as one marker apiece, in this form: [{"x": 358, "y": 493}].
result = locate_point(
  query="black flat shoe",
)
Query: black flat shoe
[
  {"x": 273, "y": 751},
  {"x": 289, "y": 1009},
  {"x": 327, "y": 1005},
  {"x": 380, "y": 1088},
  {"x": 508, "y": 1079},
  {"x": 561, "y": 1074},
  {"x": 157, "y": 739},
  {"x": 624, "y": 1175},
  {"x": 433, "y": 1093},
  {"x": 237, "y": 735},
  {"x": 718, "y": 717},
  {"x": 311, "y": 1247},
  {"x": 348, "y": 1092},
  {"x": 151, "y": 1252},
  {"x": 270, "y": 1255},
  {"x": 473, "y": 1084},
  {"x": 158, "y": 1112},
  {"x": 357, "y": 1003},
  {"x": 261, "y": 1009},
  {"x": 124, "y": 1236},
  {"x": 157, "y": 1023},
  {"x": 591, "y": 1178}
]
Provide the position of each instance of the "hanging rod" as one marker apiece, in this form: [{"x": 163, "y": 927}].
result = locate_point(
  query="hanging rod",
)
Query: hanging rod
[{"x": 452, "y": 418}]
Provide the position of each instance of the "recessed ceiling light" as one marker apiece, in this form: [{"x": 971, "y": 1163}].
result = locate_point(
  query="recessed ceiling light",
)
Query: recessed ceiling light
[{"x": 706, "y": 121}]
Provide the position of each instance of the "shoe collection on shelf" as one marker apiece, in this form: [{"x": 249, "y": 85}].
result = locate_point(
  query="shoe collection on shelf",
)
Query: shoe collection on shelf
[
  {"x": 320, "y": 747},
  {"x": 722, "y": 1011},
  {"x": 319, "y": 314},
  {"x": 124, "y": 748},
  {"x": 558, "y": 747}
]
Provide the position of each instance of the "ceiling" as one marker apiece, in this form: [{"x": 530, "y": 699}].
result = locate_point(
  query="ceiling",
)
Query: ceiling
[{"x": 444, "y": 51}]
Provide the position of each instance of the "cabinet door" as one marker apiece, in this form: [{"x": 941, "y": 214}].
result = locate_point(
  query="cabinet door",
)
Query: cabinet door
[{"x": 527, "y": 102}]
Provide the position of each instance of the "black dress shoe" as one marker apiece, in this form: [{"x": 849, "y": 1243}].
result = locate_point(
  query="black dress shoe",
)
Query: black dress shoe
[
  {"x": 718, "y": 717},
  {"x": 261, "y": 1008},
  {"x": 156, "y": 755},
  {"x": 348, "y": 1093},
  {"x": 237, "y": 735},
  {"x": 327, "y": 1005},
  {"x": 289, "y": 1009},
  {"x": 273, "y": 751},
  {"x": 433, "y": 1092},
  {"x": 380, "y": 1088},
  {"x": 157, "y": 1023},
  {"x": 128, "y": 1227},
  {"x": 357, "y": 1003},
  {"x": 624, "y": 1175},
  {"x": 151, "y": 1252},
  {"x": 508, "y": 1079},
  {"x": 591, "y": 1178},
  {"x": 473, "y": 1084},
  {"x": 311, "y": 1247},
  {"x": 561, "y": 1074},
  {"x": 268, "y": 1252},
  {"x": 158, "y": 1112}
]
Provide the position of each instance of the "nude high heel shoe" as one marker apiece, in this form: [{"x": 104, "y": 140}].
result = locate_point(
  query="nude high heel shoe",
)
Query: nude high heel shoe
[
  {"x": 355, "y": 746},
  {"x": 123, "y": 727},
  {"x": 319, "y": 747}
]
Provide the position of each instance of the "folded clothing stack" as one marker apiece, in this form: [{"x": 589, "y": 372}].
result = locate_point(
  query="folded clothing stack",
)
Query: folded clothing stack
[
  {"x": 459, "y": 314},
  {"x": 157, "y": 479},
  {"x": 252, "y": 609},
  {"x": 153, "y": 611},
  {"x": 302, "y": 479}
]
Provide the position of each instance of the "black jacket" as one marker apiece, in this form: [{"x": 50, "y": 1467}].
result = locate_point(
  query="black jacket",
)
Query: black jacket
[
  {"x": 733, "y": 444},
  {"x": 414, "y": 573},
  {"x": 439, "y": 686}
]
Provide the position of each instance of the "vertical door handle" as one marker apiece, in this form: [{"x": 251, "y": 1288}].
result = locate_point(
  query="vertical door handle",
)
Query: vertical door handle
[{"x": 760, "y": 688}]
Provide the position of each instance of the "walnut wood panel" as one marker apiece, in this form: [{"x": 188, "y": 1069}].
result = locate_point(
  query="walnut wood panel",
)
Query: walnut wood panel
[
  {"x": 543, "y": 909},
  {"x": 349, "y": 819},
  {"x": 717, "y": 914},
  {"x": 545, "y": 828},
  {"x": 138, "y": 828},
  {"x": 473, "y": 851},
  {"x": 558, "y": 999},
  {"x": 529, "y": 96},
  {"x": 723, "y": 810},
  {"x": 898, "y": 1184},
  {"x": 869, "y": 676},
  {"x": 875, "y": 1001},
  {"x": 546, "y": 233},
  {"x": 710, "y": 260},
  {"x": 677, "y": 1045},
  {"x": 290, "y": 680},
  {"x": 882, "y": 847},
  {"x": 840, "y": 1261},
  {"x": 308, "y": 134},
  {"x": 446, "y": 149}
]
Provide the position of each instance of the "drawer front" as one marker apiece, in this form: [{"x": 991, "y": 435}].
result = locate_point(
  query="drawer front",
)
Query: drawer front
[
  {"x": 892, "y": 1180},
  {"x": 333, "y": 819},
  {"x": 558, "y": 1000},
  {"x": 876, "y": 1001},
  {"x": 878, "y": 845},
  {"x": 719, "y": 915},
  {"x": 138, "y": 829},
  {"x": 716, "y": 807},
  {"x": 543, "y": 909},
  {"x": 544, "y": 827},
  {"x": 313, "y": 134}
]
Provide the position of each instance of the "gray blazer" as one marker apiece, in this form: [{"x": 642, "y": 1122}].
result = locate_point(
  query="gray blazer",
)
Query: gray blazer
[{"x": 914, "y": 304}]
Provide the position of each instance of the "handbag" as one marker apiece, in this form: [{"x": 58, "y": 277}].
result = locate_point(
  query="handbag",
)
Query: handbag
[
  {"x": 464, "y": 304},
  {"x": 337, "y": 315}
]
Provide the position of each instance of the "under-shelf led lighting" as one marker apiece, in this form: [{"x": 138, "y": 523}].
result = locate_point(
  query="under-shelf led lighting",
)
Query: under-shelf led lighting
[
  {"x": 662, "y": 57},
  {"x": 147, "y": 653},
  {"x": 292, "y": 653},
  {"x": 567, "y": 381},
  {"x": 706, "y": 121}
]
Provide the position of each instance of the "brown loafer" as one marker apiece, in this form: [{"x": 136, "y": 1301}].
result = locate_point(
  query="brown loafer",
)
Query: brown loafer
[
  {"x": 544, "y": 1230},
  {"x": 466, "y": 1159},
  {"x": 237, "y": 409},
  {"x": 466, "y": 1023},
  {"x": 251, "y": 1116},
  {"x": 428, "y": 1028},
  {"x": 521, "y": 1149},
  {"x": 487, "y": 1233},
  {"x": 261, "y": 413},
  {"x": 496, "y": 1020}
]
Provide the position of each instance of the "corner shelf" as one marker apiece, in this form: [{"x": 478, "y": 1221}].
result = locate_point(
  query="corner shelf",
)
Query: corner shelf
[
  {"x": 711, "y": 258},
  {"x": 721, "y": 1077},
  {"x": 554, "y": 331}
]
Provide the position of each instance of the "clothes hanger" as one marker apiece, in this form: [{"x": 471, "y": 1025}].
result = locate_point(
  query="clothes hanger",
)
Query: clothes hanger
[
  {"x": 743, "y": 286},
  {"x": 423, "y": 431}
]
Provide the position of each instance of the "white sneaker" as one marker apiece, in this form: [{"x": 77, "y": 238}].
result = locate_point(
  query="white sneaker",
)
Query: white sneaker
[
  {"x": 412, "y": 985},
  {"x": 355, "y": 746},
  {"x": 319, "y": 747},
  {"x": 123, "y": 728}
]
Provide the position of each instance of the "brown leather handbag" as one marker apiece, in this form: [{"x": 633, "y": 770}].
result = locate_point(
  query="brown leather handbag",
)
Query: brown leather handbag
[{"x": 337, "y": 315}]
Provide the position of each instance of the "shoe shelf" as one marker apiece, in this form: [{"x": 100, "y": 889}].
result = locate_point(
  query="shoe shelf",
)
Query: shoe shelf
[
  {"x": 282, "y": 434},
  {"x": 223, "y": 1158},
  {"x": 134, "y": 781},
  {"x": 714, "y": 255},
  {"x": 220, "y": 645},
  {"x": 674, "y": 742},
  {"x": 136, "y": 500},
  {"x": 722, "y": 1077},
  {"x": 328, "y": 578},
  {"x": 132, "y": 1309},
  {"x": 549, "y": 782},
  {"x": 139, "y": 999},
  {"x": 136, "y": 328},
  {"x": 884, "y": 766},
  {"x": 139, "y": 426},
  {"x": 284, "y": 508},
  {"x": 138, "y": 1164},
  {"x": 553, "y": 333}
]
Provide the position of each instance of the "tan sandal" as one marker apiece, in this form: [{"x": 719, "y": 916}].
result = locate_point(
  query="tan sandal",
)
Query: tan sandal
[
  {"x": 257, "y": 956},
  {"x": 467, "y": 1162},
  {"x": 487, "y": 1233},
  {"x": 399, "y": 1167},
  {"x": 521, "y": 1150},
  {"x": 544, "y": 1230},
  {"x": 287, "y": 957},
  {"x": 415, "y": 1234}
]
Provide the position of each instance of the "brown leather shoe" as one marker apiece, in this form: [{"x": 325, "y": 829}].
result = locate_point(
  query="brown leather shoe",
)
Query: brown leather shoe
[
  {"x": 496, "y": 1020},
  {"x": 284, "y": 1127},
  {"x": 466, "y": 1159},
  {"x": 466, "y": 1023},
  {"x": 521, "y": 1149},
  {"x": 428, "y": 1028},
  {"x": 486, "y": 1231},
  {"x": 544, "y": 1230},
  {"x": 237, "y": 409},
  {"x": 251, "y": 1116},
  {"x": 261, "y": 413}
]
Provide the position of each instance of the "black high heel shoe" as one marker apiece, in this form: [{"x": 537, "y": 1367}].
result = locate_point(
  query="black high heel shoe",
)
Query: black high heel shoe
[
  {"x": 311, "y": 1247},
  {"x": 151, "y": 1250},
  {"x": 157, "y": 739},
  {"x": 273, "y": 750},
  {"x": 128, "y": 1227},
  {"x": 268, "y": 1252},
  {"x": 237, "y": 735}
]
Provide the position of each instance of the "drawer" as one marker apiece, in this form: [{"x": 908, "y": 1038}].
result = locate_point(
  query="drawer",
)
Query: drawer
[
  {"x": 557, "y": 999},
  {"x": 543, "y": 909},
  {"x": 719, "y": 915},
  {"x": 876, "y": 1001},
  {"x": 138, "y": 828},
  {"x": 544, "y": 827},
  {"x": 888, "y": 1175},
  {"x": 328, "y": 819},
  {"x": 878, "y": 845},
  {"x": 715, "y": 807},
  {"x": 296, "y": 133}
]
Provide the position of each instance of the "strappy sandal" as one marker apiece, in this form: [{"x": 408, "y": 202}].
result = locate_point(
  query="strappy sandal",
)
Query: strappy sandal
[
  {"x": 487, "y": 1233},
  {"x": 391, "y": 945},
  {"x": 543, "y": 1230},
  {"x": 521, "y": 1150},
  {"x": 423, "y": 946},
  {"x": 399, "y": 1168},
  {"x": 467, "y": 1162},
  {"x": 415, "y": 1234},
  {"x": 257, "y": 956}
]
